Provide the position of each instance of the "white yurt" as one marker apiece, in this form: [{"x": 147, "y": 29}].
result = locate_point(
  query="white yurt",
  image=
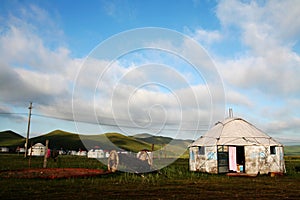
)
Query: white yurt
[
  {"x": 37, "y": 150},
  {"x": 235, "y": 145},
  {"x": 95, "y": 153}
]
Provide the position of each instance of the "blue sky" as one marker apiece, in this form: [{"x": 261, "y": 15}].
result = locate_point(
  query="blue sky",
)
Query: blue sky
[{"x": 51, "y": 55}]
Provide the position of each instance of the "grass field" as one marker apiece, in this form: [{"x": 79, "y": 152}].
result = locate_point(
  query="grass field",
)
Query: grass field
[{"x": 173, "y": 182}]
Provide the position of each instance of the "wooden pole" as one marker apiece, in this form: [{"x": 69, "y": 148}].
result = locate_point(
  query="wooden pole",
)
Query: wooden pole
[
  {"x": 28, "y": 129},
  {"x": 29, "y": 161},
  {"x": 46, "y": 154},
  {"x": 152, "y": 150}
]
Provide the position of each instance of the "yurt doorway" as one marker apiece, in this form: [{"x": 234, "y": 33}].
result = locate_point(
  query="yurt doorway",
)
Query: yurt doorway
[
  {"x": 236, "y": 159},
  {"x": 240, "y": 158},
  {"x": 231, "y": 158}
]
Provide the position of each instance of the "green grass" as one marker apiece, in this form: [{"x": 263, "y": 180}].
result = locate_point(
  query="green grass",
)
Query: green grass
[
  {"x": 173, "y": 182},
  {"x": 15, "y": 162}
]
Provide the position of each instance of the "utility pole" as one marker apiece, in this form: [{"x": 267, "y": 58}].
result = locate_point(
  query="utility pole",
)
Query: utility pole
[{"x": 28, "y": 129}]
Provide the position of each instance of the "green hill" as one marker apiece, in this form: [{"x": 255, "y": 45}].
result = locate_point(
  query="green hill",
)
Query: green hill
[
  {"x": 292, "y": 150},
  {"x": 152, "y": 139},
  {"x": 112, "y": 140},
  {"x": 127, "y": 143},
  {"x": 167, "y": 144},
  {"x": 11, "y": 139},
  {"x": 59, "y": 139},
  {"x": 70, "y": 141}
]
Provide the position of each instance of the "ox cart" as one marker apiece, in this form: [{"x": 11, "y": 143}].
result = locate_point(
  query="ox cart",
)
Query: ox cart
[{"x": 140, "y": 162}]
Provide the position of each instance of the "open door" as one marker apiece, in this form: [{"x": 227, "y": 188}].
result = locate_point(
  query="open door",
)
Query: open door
[
  {"x": 236, "y": 158},
  {"x": 240, "y": 157},
  {"x": 231, "y": 158}
]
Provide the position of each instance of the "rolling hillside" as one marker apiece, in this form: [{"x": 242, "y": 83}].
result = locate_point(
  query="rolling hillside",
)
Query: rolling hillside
[
  {"x": 60, "y": 140},
  {"x": 111, "y": 140},
  {"x": 11, "y": 139},
  {"x": 70, "y": 141},
  {"x": 152, "y": 139},
  {"x": 292, "y": 150}
]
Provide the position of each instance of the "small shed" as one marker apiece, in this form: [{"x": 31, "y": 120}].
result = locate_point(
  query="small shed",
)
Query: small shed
[
  {"x": 37, "y": 150},
  {"x": 235, "y": 145},
  {"x": 95, "y": 153}
]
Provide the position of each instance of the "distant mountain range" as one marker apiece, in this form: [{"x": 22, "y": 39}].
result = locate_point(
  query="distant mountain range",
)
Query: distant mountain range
[{"x": 59, "y": 139}]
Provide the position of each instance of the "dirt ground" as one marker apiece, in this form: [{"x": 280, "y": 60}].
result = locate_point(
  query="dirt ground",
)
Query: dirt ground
[{"x": 52, "y": 173}]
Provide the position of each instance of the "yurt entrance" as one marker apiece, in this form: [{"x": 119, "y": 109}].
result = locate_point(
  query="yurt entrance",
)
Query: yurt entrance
[
  {"x": 231, "y": 159},
  {"x": 240, "y": 159},
  {"x": 236, "y": 155}
]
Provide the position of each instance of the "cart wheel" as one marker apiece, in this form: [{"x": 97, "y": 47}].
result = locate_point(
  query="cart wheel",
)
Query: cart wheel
[{"x": 113, "y": 161}]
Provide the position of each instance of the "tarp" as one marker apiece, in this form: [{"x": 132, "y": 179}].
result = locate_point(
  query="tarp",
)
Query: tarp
[{"x": 232, "y": 158}]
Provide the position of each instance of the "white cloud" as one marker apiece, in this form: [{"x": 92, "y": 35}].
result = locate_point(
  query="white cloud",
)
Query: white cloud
[
  {"x": 263, "y": 74},
  {"x": 286, "y": 26},
  {"x": 42, "y": 83},
  {"x": 267, "y": 70},
  {"x": 205, "y": 37},
  {"x": 262, "y": 23},
  {"x": 132, "y": 93},
  {"x": 150, "y": 87},
  {"x": 22, "y": 48},
  {"x": 285, "y": 129},
  {"x": 270, "y": 64},
  {"x": 148, "y": 91},
  {"x": 238, "y": 99},
  {"x": 31, "y": 70}
]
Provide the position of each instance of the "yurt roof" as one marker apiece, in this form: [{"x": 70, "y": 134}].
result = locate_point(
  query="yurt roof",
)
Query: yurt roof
[
  {"x": 38, "y": 145},
  {"x": 234, "y": 131}
]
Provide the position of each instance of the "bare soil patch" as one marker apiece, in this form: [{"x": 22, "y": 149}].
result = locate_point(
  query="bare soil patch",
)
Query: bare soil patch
[{"x": 52, "y": 173}]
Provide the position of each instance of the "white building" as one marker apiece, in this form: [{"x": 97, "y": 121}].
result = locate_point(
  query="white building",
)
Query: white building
[
  {"x": 37, "y": 150},
  {"x": 81, "y": 153},
  {"x": 235, "y": 145},
  {"x": 4, "y": 149},
  {"x": 95, "y": 153}
]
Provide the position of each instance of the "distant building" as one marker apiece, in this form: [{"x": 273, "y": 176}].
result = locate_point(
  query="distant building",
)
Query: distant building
[
  {"x": 20, "y": 150},
  {"x": 81, "y": 153},
  {"x": 4, "y": 149},
  {"x": 72, "y": 152},
  {"x": 37, "y": 150},
  {"x": 95, "y": 153}
]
